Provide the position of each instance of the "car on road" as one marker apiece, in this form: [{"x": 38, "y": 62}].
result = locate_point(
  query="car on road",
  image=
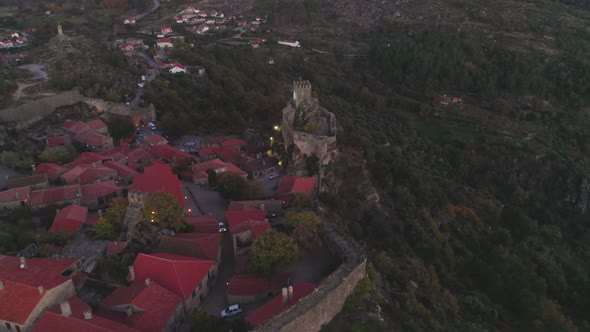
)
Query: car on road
[
  {"x": 152, "y": 126},
  {"x": 273, "y": 176},
  {"x": 222, "y": 227},
  {"x": 231, "y": 311}
]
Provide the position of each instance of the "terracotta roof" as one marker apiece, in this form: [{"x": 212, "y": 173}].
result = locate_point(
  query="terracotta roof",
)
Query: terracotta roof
[
  {"x": 54, "y": 321},
  {"x": 52, "y": 170},
  {"x": 84, "y": 174},
  {"x": 96, "y": 190},
  {"x": 257, "y": 165},
  {"x": 256, "y": 227},
  {"x": 171, "y": 153},
  {"x": 69, "y": 219},
  {"x": 116, "y": 247},
  {"x": 53, "y": 195},
  {"x": 96, "y": 139},
  {"x": 248, "y": 205},
  {"x": 123, "y": 171},
  {"x": 68, "y": 124},
  {"x": 200, "y": 169},
  {"x": 77, "y": 127},
  {"x": 21, "y": 295},
  {"x": 178, "y": 65},
  {"x": 209, "y": 150},
  {"x": 111, "y": 151},
  {"x": 158, "y": 178},
  {"x": 251, "y": 284},
  {"x": 164, "y": 40},
  {"x": 14, "y": 195},
  {"x": 292, "y": 185},
  {"x": 92, "y": 157},
  {"x": 96, "y": 124},
  {"x": 276, "y": 305},
  {"x": 139, "y": 154},
  {"x": 156, "y": 304},
  {"x": 155, "y": 140},
  {"x": 26, "y": 181},
  {"x": 234, "y": 143},
  {"x": 203, "y": 224},
  {"x": 231, "y": 155},
  {"x": 197, "y": 245},
  {"x": 56, "y": 141},
  {"x": 237, "y": 217},
  {"x": 179, "y": 274}
]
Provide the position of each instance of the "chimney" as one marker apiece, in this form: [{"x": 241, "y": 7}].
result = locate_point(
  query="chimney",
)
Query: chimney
[
  {"x": 87, "y": 314},
  {"x": 285, "y": 294},
  {"x": 147, "y": 281},
  {"x": 131, "y": 273},
  {"x": 56, "y": 211},
  {"x": 100, "y": 213},
  {"x": 1, "y": 285},
  {"x": 41, "y": 289},
  {"x": 23, "y": 262},
  {"x": 129, "y": 311},
  {"x": 66, "y": 310},
  {"x": 290, "y": 292}
]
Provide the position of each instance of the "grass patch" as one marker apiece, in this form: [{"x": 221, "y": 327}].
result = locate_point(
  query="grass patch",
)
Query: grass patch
[
  {"x": 445, "y": 132},
  {"x": 6, "y": 11}
]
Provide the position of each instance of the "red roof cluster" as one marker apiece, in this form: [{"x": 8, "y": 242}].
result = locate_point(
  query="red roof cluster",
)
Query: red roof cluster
[
  {"x": 179, "y": 274},
  {"x": 123, "y": 171},
  {"x": 220, "y": 167},
  {"x": 197, "y": 245},
  {"x": 203, "y": 224},
  {"x": 155, "y": 140},
  {"x": 69, "y": 219},
  {"x": 171, "y": 154},
  {"x": 88, "y": 173},
  {"x": 14, "y": 195},
  {"x": 292, "y": 185},
  {"x": 52, "y": 170},
  {"x": 236, "y": 217},
  {"x": 54, "y": 195},
  {"x": 56, "y": 141},
  {"x": 22, "y": 293},
  {"x": 158, "y": 178},
  {"x": 96, "y": 190},
  {"x": 276, "y": 305}
]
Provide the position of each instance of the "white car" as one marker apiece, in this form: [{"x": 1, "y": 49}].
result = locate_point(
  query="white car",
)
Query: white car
[
  {"x": 231, "y": 311},
  {"x": 222, "y": 227},
  {"x": 273, "y": 176},
  {"x": 152, "y": 126}
]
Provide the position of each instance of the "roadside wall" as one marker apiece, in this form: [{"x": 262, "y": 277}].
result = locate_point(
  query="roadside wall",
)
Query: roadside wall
[{"x": 326, "y": 301}]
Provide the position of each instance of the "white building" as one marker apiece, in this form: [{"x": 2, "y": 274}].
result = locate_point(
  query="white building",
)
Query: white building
[{"x": 292, "y": 43}]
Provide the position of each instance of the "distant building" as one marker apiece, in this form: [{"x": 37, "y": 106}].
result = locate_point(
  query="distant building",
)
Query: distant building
[{"x": 292, "y": 43}]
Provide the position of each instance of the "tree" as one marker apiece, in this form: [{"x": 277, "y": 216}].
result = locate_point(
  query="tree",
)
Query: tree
[
  {"x": 150, "y": 42},
  {"x": 16, "y": 160},
  {"x": 304, "y": 227},
  {"x": 301, "y": 201},
  {"x": 272, "y": 250},
  {"x": 212, "y": 177},
  {"x": 115, "y": 212},
  {"x": 113, "y": 96},
  {"x": 234, "y": 187},
  {"x": 58, "y": 154},
  {"x": 163, "y": 209},
  {"x": 104, "y": 230},
  {"x": 121, "y": 127}
]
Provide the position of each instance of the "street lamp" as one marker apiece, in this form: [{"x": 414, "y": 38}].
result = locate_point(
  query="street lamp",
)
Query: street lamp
[{"x": 277, "y": 128}]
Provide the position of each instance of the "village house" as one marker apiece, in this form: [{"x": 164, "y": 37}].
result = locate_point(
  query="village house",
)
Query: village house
[
  {"x": 268, "y": 206},
  {"x": 56, "y": 141},
  {"x": 166, "y": 30},
  {"x": 177, "y": 68},
  {"x": 172, "y": 155},
  {"x": 200, "y": 175},
  {"x": 75, "y": 315},
  {"x": 125, "y": 173},
  {"x": 139, "y": 156},
  {"x": 154, "y": 140},
  {"x": 59, "y": 195},
  {"x": 96, "y": 195},
  {"x": 93, "y": 141},
  {"x": 29, "y": 286},
  {"x": 288, "y": 297},
  {"x": 291, "y": 185},
  {"x": 69, "y": 219},
  {"x": 53, "y": 171},
  {"x": 187, "y": 277},
  {"x": 245, "y": 233},
  {"x": 13, "y": 198},
  {"x": 203, "y": 224},
  {"x": 145, "y": 306},
  {"x": 236, "y": 217},
  {"x": 292, "y": 43},
  {"x": 116, "y": 247},
  {"x": 261, "y": 167},
  {"x": 130, "y": 20},
  {"x": 158, "y": 178},
  {"x": 88, "y": 173},
  {"x": 36, "y": 181},
  {"x": 164, "y": 43},
  {"x": 196, "y": 245},
  {"x": 249, "y": 288}
]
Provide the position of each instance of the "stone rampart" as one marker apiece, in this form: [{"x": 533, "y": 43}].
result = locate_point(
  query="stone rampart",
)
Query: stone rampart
[{"x": 321, "y": 305}]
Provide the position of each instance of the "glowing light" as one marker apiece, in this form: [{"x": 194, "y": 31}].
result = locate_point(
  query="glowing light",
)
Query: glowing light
[
  {"x": 185, "y": 197},
  {"x": 189, "y": 210},
  {"x": 277, "y": 128},
  {"x": 153, "y": 212},
  {"x": 271, "y": 138}
]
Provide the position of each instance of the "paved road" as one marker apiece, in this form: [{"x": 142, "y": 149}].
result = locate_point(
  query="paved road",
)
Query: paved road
[
  {"x": 208, "y": 200},
  {"x": 268, "y": 185},
  {"x": 6, "y": 173},
  {"x": 150, "y": 76},
  {"x": 38, "y": 74},
  {"x": 216, "y": 301}
]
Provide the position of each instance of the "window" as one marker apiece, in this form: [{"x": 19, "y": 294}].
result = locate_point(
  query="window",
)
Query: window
[
  {"x": 17, "y": 328},
  {"x": 8, "y": 326},
  {"x": 194, "y": 294}
]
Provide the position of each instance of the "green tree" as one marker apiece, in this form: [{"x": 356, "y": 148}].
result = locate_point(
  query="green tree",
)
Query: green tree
[
  {"x": 234, "y": 187},
  {"x": 212, "y": 177},
  {"x": 113, "y": 96},
  {"x": 300, "y": 201},
  {"x": 202, "y": 321},
  {"x": 58, "y": 154},
  {"x": 16, "y": 160},
  {"x": 163, "y": 209},
  {"x": 253, "y": 191},
  {"x": 115, "y": 212},
  {"x": 304, "y": 227},
  {"x": 121, "y": 127},
  {"x": 151, "y": 42},
  {"x": 104, "y": 230},
  {"x": 272, "y": 250}
]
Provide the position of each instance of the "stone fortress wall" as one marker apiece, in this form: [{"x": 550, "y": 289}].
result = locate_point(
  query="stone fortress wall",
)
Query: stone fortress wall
[{"x": 325, "y": 302}]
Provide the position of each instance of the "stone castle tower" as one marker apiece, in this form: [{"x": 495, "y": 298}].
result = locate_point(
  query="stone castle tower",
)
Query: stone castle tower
[{"x": 301, "y": 92}]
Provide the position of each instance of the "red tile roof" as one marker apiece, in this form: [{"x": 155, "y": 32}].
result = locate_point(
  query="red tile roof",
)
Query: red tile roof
[
  {"x": 56, "y": 141},
  {"x": 171, "y": 154},
  {"x": 92, "y": 157},
  {"x": 209, "y": 150},
  {"x": 256, "y": 227},
  {"x": 200, "y": 170},
  {"x": 123, "y": 171},
  {"x": 139, "y": 154},
  {"x": 85, "y": 173},
  {"x": 164, "y": 40},
  {"x": 69, "y": 219},
  {"x": 14, "y": 195},
  {"x": 231, "y": 155},
  {"x": 96, "y": 139},
  {"x": 156, "y": 304},
  {"x": 68, "y": 124},
  {"x": 111, "y": 151},
  {"x": 179, "y": 274},
  {"x": 197, "y": 245},
  {"x": 158, "y": 178},
  {"x": 237, "y": 217},
  {"x": 54, "y": 321},
  {"x": 292, "y": 184},
  {"x": 249, "y": 205},
  {"x": 21, "y": 295},
  {"x": 116, "y": 247},
  {"x": 77, "y": 127},
  {"x": 96, "y": 124},
  {"x": 250, "y": 284},
  {"x": 155, "y": 140},
  {"x": 96, "y": 190},
  {"x": 234, "y": 143},
  {"x": 53, "y": 195},
  {"x": 276, "y": 305},
  {"x": 203, "y": 224},
  {"x": 51, "y": 169}
]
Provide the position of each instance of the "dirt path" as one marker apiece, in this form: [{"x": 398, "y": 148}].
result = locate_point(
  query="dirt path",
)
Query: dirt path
[{"x": 38, "y": 75}]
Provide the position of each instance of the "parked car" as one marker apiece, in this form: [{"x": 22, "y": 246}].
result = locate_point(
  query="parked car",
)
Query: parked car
[
  {"x": 152, "y": 126},
  {"x": 222, "y": 227},
  {"x": 273, "y": 176},
  {"x": 231, "y": 311}
]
